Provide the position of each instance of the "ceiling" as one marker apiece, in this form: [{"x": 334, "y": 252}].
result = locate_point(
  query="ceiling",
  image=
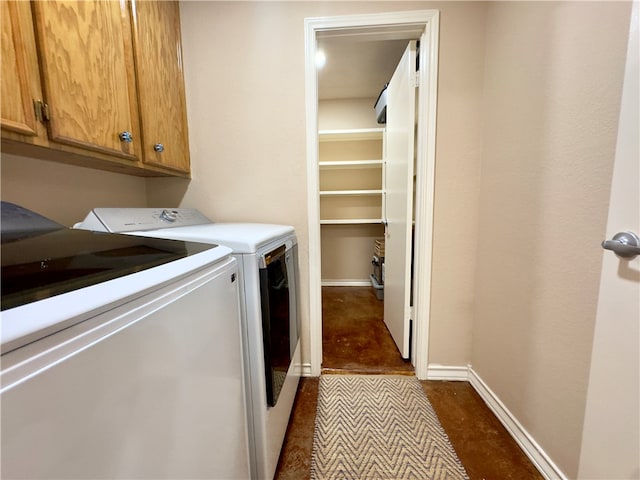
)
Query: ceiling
[{"x": 357, "y": 68}]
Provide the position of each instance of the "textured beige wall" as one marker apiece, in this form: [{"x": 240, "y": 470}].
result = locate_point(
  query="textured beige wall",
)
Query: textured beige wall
[
  {"x": 244, "y": 72},
  {"x": 66, "y": 193},
  {"x": 457, "y": 182},
  {"x": 553, "y": 77}
]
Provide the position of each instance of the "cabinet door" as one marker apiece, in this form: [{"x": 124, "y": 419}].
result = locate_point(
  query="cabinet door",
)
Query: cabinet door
[
  {"x": 20, "y": 85},
  {"x": 87, "y": 69},
  {"x": 158, "y": 53}
]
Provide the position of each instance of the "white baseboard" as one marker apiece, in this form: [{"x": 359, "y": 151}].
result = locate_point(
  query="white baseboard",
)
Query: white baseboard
[
  {"x": 305, "y": 370},
  {"x": 445, "y": 372},
  {"x": 536, "y": 454},
  {"x": 346, "y": 283},
  {"x": 548, "y": 469}
]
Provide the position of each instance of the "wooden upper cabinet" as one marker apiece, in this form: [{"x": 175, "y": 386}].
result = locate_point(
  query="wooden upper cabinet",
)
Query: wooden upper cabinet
[
  {"x": 20, "y": 81},
  {"x": 88, "y": 76},
  {"x": 96, "y": 83},
  {"x": 158, "y": 57}
]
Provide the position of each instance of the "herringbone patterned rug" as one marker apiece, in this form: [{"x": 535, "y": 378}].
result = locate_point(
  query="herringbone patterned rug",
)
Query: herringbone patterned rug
[{"x": 379, "y": 427}]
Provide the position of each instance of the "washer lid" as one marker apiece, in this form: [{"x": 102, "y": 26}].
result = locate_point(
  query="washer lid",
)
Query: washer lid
[{"x": 49, "y": 263}]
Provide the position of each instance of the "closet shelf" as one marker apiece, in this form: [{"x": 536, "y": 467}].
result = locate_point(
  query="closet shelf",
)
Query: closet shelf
[
  {"x": 351, "y": 164},
  {"x": 350, "y": 134},
  {"x": 351, "y": 172},
  {"x": 344, "y": 193},
  {"x": 351, "y": 221}
]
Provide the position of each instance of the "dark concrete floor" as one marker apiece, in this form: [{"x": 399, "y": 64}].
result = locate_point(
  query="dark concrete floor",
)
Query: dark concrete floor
[
  {"x": 354, "y": 337},
  {"x": 485, "y": 448}
]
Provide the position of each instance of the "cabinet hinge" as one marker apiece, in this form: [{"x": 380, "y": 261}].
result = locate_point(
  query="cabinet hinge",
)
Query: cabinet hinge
[
  {"x": 417, "y": 78},
  {"x": 42, "y": 110}
]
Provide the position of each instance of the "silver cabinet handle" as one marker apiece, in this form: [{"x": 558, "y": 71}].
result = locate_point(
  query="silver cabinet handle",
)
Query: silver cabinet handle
[
  {"x": 126, "y": 137},
  {"x": 158, "y": 147},
  {"x": 624, "y": 244}
]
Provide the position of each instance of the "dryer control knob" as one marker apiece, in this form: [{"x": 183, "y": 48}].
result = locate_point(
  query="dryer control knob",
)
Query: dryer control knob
[{"x": 169, "y": 216}]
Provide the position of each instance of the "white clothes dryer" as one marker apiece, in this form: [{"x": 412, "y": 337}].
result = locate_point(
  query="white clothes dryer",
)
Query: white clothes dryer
[{"x": 267, "y": 261}]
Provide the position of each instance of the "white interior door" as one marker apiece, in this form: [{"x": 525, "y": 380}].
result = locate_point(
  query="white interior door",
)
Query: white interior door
[
  {"x": 611, "y": 438},
  {"x": 399, "y": 158}
]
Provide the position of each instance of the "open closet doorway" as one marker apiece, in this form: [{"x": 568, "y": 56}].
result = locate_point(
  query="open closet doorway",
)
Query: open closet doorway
[{"x": 348, "y": 155}]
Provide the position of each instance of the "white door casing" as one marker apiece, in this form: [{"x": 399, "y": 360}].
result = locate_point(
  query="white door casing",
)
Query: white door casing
[
  {"x": 423, "y": 24},
  {"x": 399, "y": 158},
  {"x": 611, "y": 433}
]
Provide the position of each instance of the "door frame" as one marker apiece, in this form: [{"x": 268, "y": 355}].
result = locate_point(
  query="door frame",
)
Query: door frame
[{"x": 423, "y": 24}]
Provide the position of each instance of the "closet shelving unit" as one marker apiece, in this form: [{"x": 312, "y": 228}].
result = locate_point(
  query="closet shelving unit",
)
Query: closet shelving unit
[{"x": 351, "y": 176}]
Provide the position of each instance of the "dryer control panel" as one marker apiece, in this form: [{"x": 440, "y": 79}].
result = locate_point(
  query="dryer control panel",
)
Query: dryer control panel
[{"x": 120, "y": 220}]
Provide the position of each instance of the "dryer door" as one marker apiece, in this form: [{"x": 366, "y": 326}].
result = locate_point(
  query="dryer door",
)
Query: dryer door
[{"x": 279, "y": 329}]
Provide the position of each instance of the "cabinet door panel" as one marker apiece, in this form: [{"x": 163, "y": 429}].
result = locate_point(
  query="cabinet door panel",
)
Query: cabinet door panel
[
  {"x": 87, "y": 71},
  {"x": 19, "y": 69},
  {"x": 158, "y": 54}
]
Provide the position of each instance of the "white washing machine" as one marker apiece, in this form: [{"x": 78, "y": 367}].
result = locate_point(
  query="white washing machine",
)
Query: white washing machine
[
  {"x": 267, "y": 260},
  {"x": 121, "y": 356}
]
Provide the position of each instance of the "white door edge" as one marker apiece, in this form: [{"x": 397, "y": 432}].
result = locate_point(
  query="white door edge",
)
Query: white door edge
[{"x": 399, "y": 176}]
